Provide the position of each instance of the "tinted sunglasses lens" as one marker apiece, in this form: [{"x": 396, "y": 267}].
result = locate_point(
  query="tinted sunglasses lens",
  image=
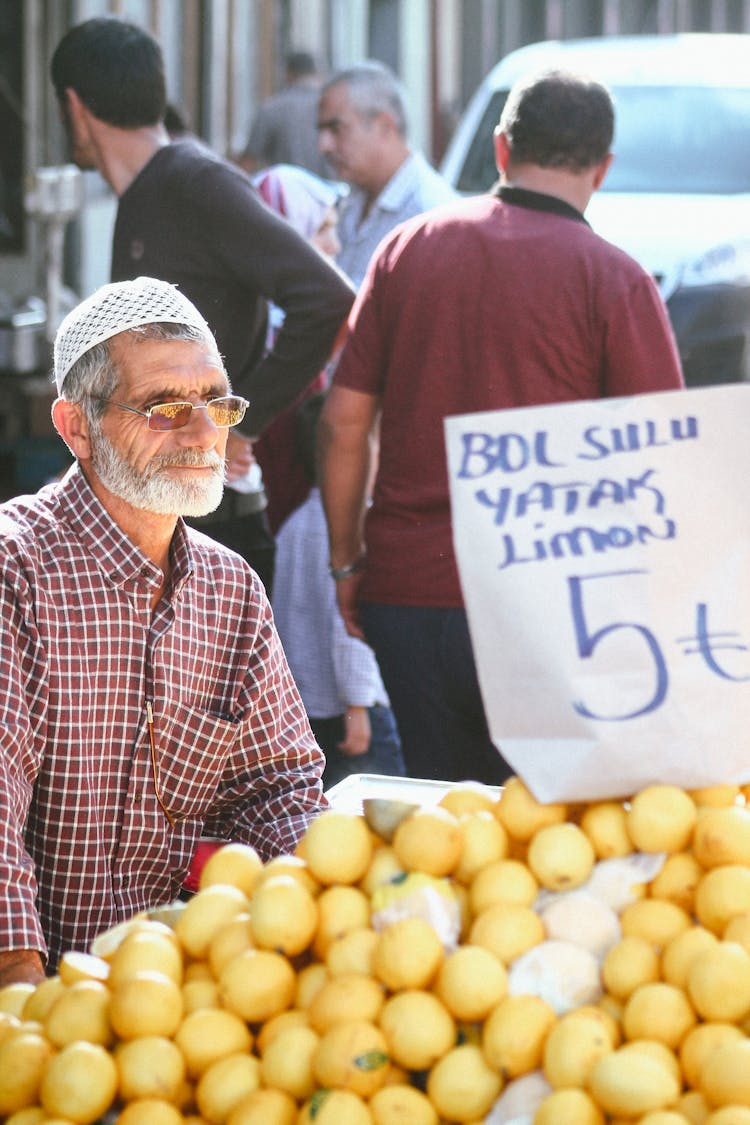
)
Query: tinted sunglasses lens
[
  {"x": 169, "y": 416},
  {"x": 227, "y": 411}
]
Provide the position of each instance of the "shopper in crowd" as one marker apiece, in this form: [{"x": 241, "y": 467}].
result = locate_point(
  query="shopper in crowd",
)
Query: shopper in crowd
[
  {"x": 283, "y": 130},
  {"x": 362, "y": 131},
  {"x": 145, "y": 695},
  {"x": 337, "y": 674},
  {"x": 504, "y": 300},
  {"x": 188, "y": 217}
]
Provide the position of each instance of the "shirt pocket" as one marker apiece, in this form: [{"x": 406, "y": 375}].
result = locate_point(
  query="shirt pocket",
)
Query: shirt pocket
[{"x": 190, "y": 752}]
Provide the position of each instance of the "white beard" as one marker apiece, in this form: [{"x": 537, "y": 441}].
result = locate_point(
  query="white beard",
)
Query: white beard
[{"x": 154, "y": 490}]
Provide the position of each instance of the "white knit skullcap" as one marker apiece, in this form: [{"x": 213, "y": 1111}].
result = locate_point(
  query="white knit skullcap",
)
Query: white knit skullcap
[{"x": 115, "y": 308}]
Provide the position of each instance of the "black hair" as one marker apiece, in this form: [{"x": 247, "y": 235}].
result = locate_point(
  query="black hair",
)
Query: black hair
[
  {"x": 115, "y": 68},
  {"x": 559, "y": 119}
]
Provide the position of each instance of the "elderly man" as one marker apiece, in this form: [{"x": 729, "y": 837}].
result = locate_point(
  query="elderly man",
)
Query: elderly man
[
  {"x": 506, "y": 300},
  {"x": 362, "y": 132},
  {"x": 145, "y": 696}
]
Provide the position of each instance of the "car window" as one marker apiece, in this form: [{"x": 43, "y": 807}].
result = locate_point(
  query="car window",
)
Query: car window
[{"x": 667, "y": 139}]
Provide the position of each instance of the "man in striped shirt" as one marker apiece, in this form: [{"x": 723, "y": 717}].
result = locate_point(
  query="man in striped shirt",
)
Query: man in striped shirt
[{"x": 145, "y": 699}]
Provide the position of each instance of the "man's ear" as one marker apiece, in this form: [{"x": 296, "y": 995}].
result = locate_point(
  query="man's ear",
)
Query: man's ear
[
  {"x": 601, "y": 170},
  {"x": 72, "y": 426},
  {"x": 502, "y": 151}
]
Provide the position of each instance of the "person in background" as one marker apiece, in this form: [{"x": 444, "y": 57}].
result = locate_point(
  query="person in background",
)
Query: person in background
[
  {"x": 504, "y": 300},
  {"x": 283, "y": 130},
  {"x": 362, "y": 132},
  {"x": 191, "y": 218},
  {"x": 337, "y": 674},
  {"x": 310, "y": 205},
  {"x": 144, "y": 693}
]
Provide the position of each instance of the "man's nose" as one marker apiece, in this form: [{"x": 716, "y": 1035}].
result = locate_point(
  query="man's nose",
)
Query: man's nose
[{"x": 200, "y": 429}]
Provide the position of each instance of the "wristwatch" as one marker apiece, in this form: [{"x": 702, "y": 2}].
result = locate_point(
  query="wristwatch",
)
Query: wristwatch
[{"x": 338, "y": 573}]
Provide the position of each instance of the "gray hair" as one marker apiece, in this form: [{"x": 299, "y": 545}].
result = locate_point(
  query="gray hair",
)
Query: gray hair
[
  {"x": 94, "y": 377},
  {"x": 374, "y": 89}
]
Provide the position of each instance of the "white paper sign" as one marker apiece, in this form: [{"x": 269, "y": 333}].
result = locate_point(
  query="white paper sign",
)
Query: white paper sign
[{"x": 604, "y": 554}]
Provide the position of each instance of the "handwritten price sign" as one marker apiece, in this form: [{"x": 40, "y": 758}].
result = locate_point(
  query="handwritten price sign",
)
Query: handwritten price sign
[{"x": 604, "y": 552}]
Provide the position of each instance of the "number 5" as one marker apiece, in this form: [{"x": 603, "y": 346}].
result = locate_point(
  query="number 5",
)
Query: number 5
[{"x": 587, "y": 642}]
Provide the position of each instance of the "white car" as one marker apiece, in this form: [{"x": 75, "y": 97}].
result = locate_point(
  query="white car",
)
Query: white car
[{"x": 677, "y": 197}]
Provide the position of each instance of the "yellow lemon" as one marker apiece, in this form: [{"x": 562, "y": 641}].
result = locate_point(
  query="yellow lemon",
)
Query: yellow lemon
[
  {"x": 484, "y": 841},
  {"x": 107, "y": 941},
  {"x": 204, "y": 915},
  {"x": 338, "y": 847},
  {"x": 293, "y": 865},
  {"x": 729, "y": 1115},
  {"x": 572, "y": 1047},
  {"x": 470, "y": 982},
  {"x": 283, "y": 915},
  {"x": 737, "y": 929},
  {"x": 514, "y": 1033},
  {"x": 334, "y": 1107},
  {"x": 150, "y": 1111},
  {"x": 352, "y": 1056},
  {"x": 568, "y": 1107},
  {"x": 264, "y": 1107},
  {"x": 80, "y": 1012},
  {"x": 292, "y": 1017},
  {"x": 507, "y": 930},
  {"x": 407, "y": 954},
  {"x": 39, "y": 1002},
  {"x": 725, "y": 1075},
  {"x": 145, "y": 950},
  {"x": 147, "y": 1003},
  {"x": 238, "y": 865},
  {"x": 722, "y": 836},
  {"x": 340, "y": 910},
  {"x": 234, "y": 937},
  {"x": 224, "y": 1084},
  {"x": 209, "y": 1034},
  {"x": 149, "y": 1067},
  {"x": 79, "y": 1083},
  {"x": 309, "y": 980},
  {"x": 662, "y": 1117},
  {"x": 716, "y": 796},
  {"x": 398, "y": 1104},
  {"x": 506, "y": 880},
  {"x": 462, "y": 1086},
  {"x": 429, "y": 841},
  {"x": 702, "y": 1041},
  {"x": 74, "y": 966},
  {"x": 654, "y": 919},
  {"x": 722, "y": 894},
  {"x": 257, "y": 984},
  {"x": 677, "y": 880},
  {"x": 661, "y": 818},
  {"x": 605, "y": 824},
  {"x": 561, "y": 856},
  {"x": 469, "y": 797},
  {"x": 658, "y": 1011},
  {"x": 32, "y": 1115},
  {"x": 521, "y": 814},
  {"x": 23, "y": 1058},
  {"x": 656, "y": 1050},
  {"x": 718, "y": 982},
  {"x": 198, "y": 994},
  {"x": 350, "y": 996},
  {"x": 352, "y": 952},
  {"x": 693, "y": 1106},
  {"x": 631, "y": 1083},
  {"x": 633, "y": 961},
  {"x": 287, "y": 1062},
  {"x": 678, "y": 953},
  {"x": 418, "y": 1028},
  {"x": 13, "y": 997},
  {"x": 384, "y": 867}
]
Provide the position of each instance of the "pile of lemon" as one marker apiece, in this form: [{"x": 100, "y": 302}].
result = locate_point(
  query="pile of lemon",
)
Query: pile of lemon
[{"x": 487, "y": 959}]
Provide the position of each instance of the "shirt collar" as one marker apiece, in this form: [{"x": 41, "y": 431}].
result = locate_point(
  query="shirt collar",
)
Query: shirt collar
[
  {"x": 537, "y": 201},
  {"x": 112, "y": 550},
  {"x": 398, "y": 187}
]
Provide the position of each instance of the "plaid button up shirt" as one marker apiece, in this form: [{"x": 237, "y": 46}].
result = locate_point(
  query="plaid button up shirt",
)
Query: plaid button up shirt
[{"x": 84, "y": 842}]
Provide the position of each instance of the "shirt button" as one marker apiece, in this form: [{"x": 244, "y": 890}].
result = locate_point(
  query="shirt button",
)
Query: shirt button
[{"x": 137, "y": 799}]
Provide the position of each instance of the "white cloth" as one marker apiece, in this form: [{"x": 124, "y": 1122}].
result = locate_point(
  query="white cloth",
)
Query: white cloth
[{"x": 332, "y": 669}]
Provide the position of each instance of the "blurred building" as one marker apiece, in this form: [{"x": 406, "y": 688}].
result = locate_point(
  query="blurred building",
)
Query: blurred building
[{"x": 223, "y": 57}]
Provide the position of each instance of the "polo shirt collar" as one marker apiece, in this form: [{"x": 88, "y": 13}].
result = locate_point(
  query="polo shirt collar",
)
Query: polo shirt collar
[
  {"x": 398, "y": 187},
  {"x": 537, "y": 201}
]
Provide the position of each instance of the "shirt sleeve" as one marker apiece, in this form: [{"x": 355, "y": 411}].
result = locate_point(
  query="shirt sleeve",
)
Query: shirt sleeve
[
  {"x": 288, "y": 271},
  {"x": 357, "y": 674},
  {"x": 640, "y": 350},
  {"x": 272, "y": 786},
  {"x": 21, "y": 696}
]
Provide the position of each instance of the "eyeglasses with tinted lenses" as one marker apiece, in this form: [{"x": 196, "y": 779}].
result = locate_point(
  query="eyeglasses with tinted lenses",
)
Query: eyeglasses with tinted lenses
[{"x": 229, "y": 410}]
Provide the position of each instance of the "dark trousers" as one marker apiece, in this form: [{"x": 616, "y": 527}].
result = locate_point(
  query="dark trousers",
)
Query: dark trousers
[
  {"x": 427, "y": 664},
  {"x": 384, "y": 755}
]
